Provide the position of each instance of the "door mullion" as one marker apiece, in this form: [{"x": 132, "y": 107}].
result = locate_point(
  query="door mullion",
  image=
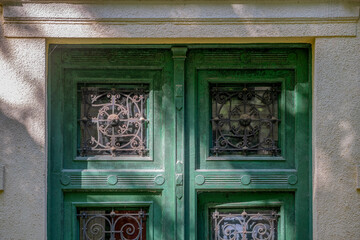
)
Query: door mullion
[{"x": 179, "y": 55}]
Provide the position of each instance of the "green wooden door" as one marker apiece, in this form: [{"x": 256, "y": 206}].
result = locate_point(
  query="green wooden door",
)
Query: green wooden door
[
  {"x": 248, "y": 116},
  {"x": 179, "y": 142}
]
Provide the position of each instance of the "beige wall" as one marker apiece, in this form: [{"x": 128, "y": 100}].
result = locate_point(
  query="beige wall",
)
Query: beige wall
[
  {"x": 331, "y": 26},
  {"x": 22, "y": 138},
  {"x": 336, "y": 138}
]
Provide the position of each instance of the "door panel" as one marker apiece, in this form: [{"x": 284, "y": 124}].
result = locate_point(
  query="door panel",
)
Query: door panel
[
  {"x": 111, "y": 115},
  {"x": 104, "y": 82},
  {"x": 224, "y": 175},
  {"x": 236, "y": 81},
  {"x": 127, "y": 213},
  {"x": 238, "y": 214}
]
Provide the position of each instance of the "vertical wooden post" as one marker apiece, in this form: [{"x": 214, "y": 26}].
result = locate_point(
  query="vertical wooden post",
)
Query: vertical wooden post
[{"x": 179, "y": 55}]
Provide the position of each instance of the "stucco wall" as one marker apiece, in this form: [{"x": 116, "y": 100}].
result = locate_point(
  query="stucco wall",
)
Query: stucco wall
[
  {"x": 336, "y": 138},
  {"x": 336, "y": 90},
  {"x": 22, "y": 137}
]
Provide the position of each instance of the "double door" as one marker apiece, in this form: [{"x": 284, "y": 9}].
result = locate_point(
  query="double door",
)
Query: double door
[{"x": 179, "y": 142}]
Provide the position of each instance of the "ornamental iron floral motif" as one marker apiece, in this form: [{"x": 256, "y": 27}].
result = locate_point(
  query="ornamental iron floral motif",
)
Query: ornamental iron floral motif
[
  {"x": 245, "y": 119},
  {"x": 245, "y": 226},
  {"x": 114, "y": 225},
  {"x": 113, "y": 121}
]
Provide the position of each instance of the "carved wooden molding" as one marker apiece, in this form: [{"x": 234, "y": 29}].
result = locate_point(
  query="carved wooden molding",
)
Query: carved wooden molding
[
  {"x": 252, "y": 179},
  {"x": 77, "y": 181}
]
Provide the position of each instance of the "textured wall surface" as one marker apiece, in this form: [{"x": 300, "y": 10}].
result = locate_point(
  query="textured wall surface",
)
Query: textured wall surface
[
  {"x": 22, "y": 138},
  {"x": 336, "y": 138},
  {"x": 336, "y": 92}
]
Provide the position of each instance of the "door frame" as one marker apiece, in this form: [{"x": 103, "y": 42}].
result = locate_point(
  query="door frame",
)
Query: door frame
[{"x": 185, "y": 184}]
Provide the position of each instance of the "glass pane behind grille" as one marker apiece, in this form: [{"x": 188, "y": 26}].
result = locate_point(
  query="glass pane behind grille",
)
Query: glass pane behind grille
[
  {"x": 112, "y": 224},
  {"x": 113, "y": 121},
  {"x": 250, "y": 224},
  {"x": 245, "y": 119}
]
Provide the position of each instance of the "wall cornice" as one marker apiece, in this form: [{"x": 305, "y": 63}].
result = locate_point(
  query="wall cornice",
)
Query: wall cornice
[
  {"x": 178, "y": 21},
  {"x": 175, "y": 20},
  {"x": 11, "y": 2}
]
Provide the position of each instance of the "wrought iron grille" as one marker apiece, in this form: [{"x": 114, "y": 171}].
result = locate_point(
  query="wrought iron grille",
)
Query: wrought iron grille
[
  {"x": 113, "y": 225},
  {"x": 245, "y": 119},
  {"x": 245, "y": 226},
  {"x": 113, "y": 121}
]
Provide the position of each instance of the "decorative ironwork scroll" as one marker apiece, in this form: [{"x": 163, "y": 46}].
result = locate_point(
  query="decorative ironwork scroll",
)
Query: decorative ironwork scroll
[
  {"x": 245, "y": 119},
  {"x": 113, "y": 121},
  {"x": 114, "y": 225},
  {"x": 245, "y": 226}
]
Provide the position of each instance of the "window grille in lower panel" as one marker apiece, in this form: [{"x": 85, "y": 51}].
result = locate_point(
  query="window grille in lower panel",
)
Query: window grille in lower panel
[
  {"x": 112, "y": 224},
  {"x": 245, "y": 224}
]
